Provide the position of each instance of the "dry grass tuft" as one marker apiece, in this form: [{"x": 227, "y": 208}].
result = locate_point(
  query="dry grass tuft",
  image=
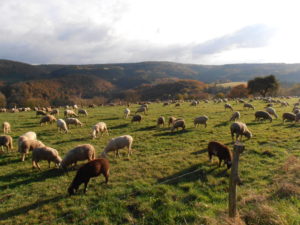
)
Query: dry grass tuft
[{"x": 286, "y": 190}]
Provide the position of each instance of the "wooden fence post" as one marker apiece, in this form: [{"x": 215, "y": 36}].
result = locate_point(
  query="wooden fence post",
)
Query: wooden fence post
[{"x": 238, "y": 148}]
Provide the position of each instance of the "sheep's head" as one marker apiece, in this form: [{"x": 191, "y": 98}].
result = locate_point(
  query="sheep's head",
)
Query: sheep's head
[{"x": 248, "y": 134}]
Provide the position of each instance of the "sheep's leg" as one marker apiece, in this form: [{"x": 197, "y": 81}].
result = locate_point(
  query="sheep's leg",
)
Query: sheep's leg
[
  {"x": 38, "y": 166},
  {"x": 23, "y": 157},
  {"x": 220, "y": 161},
  {"x": 106, "y": 175},
  {"x": 85, "y": 185},
  {"x": 49, "y": 163}
]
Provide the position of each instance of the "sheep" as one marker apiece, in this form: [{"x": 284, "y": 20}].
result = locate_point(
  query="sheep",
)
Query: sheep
[
  {"x": 83, "y": 112},
  {"x": 142, "y": 109},
  {"x": 297, "y": 117},
  {"x": 240, "y": 129},
  {"x": 6, "y": 127},
  {"x": 30, "y": 135},
  {"x": 272, "y": 111},
  {"x": 171, "y": 120},
  {"x": 40, "y": 113},
  {"x": 46, "y": 119},
  {"x": 91, "y": 169},
  {"x": 74, "y": 121},
  {"x": 99, "y": 128},
  {"x": 136, "y": 118},
  {"x": 262, "y": 115},
  {"x": 177, "y": 124},
  {"x": 201, "y": 120},
  {"x": 228, "y": 106},
  {"x": 54, "y": 112},
  {"x": 177, "y": 104},
  {"x": 249, "y": 106},
  {"x": 62, "y": 126},
  {"x": 28, "y": 145},
  {"x": 118, "y": 143},
  {"x": 126, "y": 113},
  {"x": 6, "y": 141},
  {"x": 161, "y": 121},
  {"x": 166, "y": 103},
  {"x": 221, "y": 151},
  {"x": 45, "y": 153},
  {"x": 70, "y": 113},
  {"x": 79, "y": 153},
  {"x": 235, "y": 116},
  {"x": 289, "y": 117}
]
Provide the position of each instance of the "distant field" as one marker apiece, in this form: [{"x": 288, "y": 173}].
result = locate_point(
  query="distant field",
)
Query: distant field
[
  {"x": 149, "y": 187},
  {"x": 232, "y": 84}
]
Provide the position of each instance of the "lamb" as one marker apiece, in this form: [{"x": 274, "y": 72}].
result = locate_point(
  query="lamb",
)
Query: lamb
[
  {"x": 235, "y": 116},
  {"x": 126, "y": 113},
  {"x": 74, "y": 121},
  {"x": 171, "y": 120},
  {"x": 99, "y": 128},
  {"x": 142, "y": 109},
  {"x": 83, "y": 112},
  {"x": 136, "y": 118},
  {"x": 177, "y": 124},
  {"x": 288, "y": 116},
  {"x": 228, "y": 106},
  {"x": 45, "y": 153},
  {"x": 262, "y": 115},
  {"x": 240, "y": 129},
  {"x": 249, "y": 106},
  {"x": 70, "y": 113},
  {"x": 201, "y": 120},
  {"x": 54, "y": 112},
  {"x": 62, "y": 126},
  {"x": 91, "y": 169},
  {"x": 79, "y": 153},
  {"x": 6, "y": 141},
  {"x": 41, "y": 113},
  {"x": 28, "y": 145},
  {"x": 118, "y": 143},
  {"x": 272, "y": 111},
  {"x": 6, "y": 127},
  {"x": 46, "y": 119},
  {"x": 221, "y": 151},
  {"x": 161, "y": 121}
]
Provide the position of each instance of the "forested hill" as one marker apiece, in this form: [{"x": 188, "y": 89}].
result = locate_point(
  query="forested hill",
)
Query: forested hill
[{"x": 130, "y": 75}]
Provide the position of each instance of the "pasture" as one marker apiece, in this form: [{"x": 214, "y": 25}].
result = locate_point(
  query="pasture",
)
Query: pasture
[{"x": 167, "y": 180}]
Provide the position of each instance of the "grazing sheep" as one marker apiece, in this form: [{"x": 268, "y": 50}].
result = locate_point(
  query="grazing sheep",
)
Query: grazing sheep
[
  {"x": 178, "y": 123},
  {"x": 28, "y": 145},
  {"x": 228, "y": 106},
  {"x": 177, "y": 104},
  {"x": 235, "y": 116},
  {"x": 126, "y": 113},
  {"x": 91, "y": 169},
  {"x": 40, "y": 113},
  {"x": 83, "y": 112},
  {"x": 46, "y": 119},
  {"x": 45, "y": 153},
  {"x": 30, "y": 135},
  {"x": 272, "y": 111},
  {"x": 166, "y": 103},
  {"x": 6, "y": 141},
  {"x": 118, "y": 143},
  {"x": 68, "y": 113},
  {"x": 171, "y": 120},
  {"x": 289, "y": 117},
  {"x": 249, "y": 106},
  {"x": 270, "y": 105},
  {"x": 221, "y": 151},
  {"x": 73, "y": 121},
  {"x": 240, "y": 129},
  {"x": 99, "y": 128},
  {"x": 136, "y": 118},
  {"x": 62, "y": 126},
  {"x": 142, "y": 109},
  {"x": 201, "y": 120},
  {"x": 79, "y": 153},
  {"x": 161, "y": 121},
  {"x": 6, "y": 127},
  {"x": 262, "y": 115},
  {"x": 54, "y": 112},
  {"x": 297, "y": 118}
]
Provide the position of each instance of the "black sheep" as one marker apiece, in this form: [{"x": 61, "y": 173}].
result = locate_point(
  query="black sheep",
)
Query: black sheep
[{"x": 221, "y": 151}]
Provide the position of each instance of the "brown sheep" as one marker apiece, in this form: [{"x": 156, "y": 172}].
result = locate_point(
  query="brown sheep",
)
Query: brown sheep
[
  {"x": 91, "y": 169},
  {"x": 161, "y": 121},
  {"x": 221, "y": 151},
  {"x": 289, "y": 117},
  {"x": 6, "y": 141},
  {"x": 178, "y": 123},
  {"x": 171, "y": 120},
  {"x": 46, "y": 119}
]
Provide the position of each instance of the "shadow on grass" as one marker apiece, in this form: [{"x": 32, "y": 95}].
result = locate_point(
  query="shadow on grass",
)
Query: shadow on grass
[
  {"x": 120, "y": 126},
  {"x": 40, "y": 176},
  {"x": 6, "y": 162},
  {"x": 169, "y": 133},
  {"x": 199, "y": 152},
  {"x": 112, "y": 118},
  {"x": 222, "y": 124},
  {"x": 25, "y": 209},
  {"x": 146, "y": 128},
  {"x": 74, "y": 139}
]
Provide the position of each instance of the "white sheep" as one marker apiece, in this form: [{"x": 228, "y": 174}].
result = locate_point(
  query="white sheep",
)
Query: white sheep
[
  {"x": 45, "y": 153},
  {"x": 235, "y": 116},
  {"x": 101, "y": 128},
  {"x": 30, "y": 135},
  {"x": 79, "y": 153},
  {"x": 6, "y": 127},
  {"x": 69, "y": 112},
  {"x": 272, "y": 111},
  {"x": 6, "y": 141},
  {"x": 73, "y": 121},
  {"x": 62, "y": 126},
  {"x": 28, "y": 145},
  {"x": 118, "y": 143},
  {"x": 126, "y": 113},
  {"x": 240, "y": 129},
  {"x": 201, "y": 120}
]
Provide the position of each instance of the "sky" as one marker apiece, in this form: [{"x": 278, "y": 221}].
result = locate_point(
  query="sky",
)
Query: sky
[{"x": 209, "y": 32}]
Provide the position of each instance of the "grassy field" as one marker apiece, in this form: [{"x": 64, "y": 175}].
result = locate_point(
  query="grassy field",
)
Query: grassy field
[{"x": 149, "y": 187}]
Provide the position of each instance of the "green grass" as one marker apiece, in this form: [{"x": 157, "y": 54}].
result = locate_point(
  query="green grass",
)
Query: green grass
[{"x": 149, "y": 187}]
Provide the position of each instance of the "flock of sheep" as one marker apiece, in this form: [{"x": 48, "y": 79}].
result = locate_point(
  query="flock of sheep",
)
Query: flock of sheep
[{"x": 29, "y": 142}]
